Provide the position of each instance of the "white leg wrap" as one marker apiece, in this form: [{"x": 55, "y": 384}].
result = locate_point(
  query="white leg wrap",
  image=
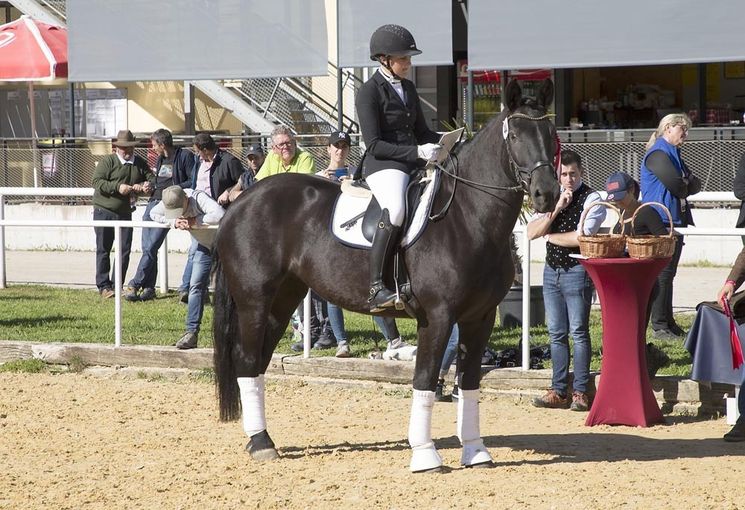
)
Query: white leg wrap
[
  {"x": 252, "y": 402},
  {"x": 474, "y": 451},
  {"x": 424, "y": 456}
]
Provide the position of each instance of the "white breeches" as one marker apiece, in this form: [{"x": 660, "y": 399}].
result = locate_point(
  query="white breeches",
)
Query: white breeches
[{"x": 389, "y": 188}]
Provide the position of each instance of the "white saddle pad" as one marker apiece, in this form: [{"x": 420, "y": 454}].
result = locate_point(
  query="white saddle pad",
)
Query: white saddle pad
[{"x": 349, "y": 206}]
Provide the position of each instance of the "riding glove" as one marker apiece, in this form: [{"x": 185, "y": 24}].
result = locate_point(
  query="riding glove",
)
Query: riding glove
[{"x": 428, "y": 151}]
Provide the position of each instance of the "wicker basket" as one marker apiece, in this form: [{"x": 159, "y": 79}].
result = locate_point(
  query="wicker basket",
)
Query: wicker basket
[
  {"x": 602, "y": 246},
  {"x": 648, "y": 246}
]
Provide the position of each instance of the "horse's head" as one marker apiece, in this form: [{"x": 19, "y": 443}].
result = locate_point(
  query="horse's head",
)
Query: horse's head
[{"x": 530, "y": 140}]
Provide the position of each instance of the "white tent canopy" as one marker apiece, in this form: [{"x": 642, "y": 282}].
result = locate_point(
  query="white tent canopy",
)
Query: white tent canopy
[
  {"x": 196, "y": 39},
  {"x": 430, "y": 22},
  {"x": 526, "y": 34}
]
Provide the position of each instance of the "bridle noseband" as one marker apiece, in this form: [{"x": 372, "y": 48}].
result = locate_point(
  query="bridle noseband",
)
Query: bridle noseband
[{"x": 523, "y": 174}]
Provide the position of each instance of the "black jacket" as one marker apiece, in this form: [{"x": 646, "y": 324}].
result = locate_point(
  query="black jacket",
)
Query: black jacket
[
  {"x": 739, "y": 188},
  {"x": 391, "y": 129},
  {"x": 225, "y": 171}
]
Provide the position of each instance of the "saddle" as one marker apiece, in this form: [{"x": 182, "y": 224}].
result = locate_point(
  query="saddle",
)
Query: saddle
[{"x": 356, "y": 212}]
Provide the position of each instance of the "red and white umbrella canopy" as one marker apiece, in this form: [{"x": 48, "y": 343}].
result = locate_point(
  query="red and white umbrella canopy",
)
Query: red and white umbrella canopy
[{"x": 31, "y": 50}]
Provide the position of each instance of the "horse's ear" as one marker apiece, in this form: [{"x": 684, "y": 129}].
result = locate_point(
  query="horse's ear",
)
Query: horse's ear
[
  {"x": 512, "y": 95},
  {"x": 546, "y": 93}
]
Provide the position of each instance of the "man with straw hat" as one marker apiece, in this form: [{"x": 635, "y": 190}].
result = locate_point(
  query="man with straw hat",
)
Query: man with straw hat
[{"x": 118, "y": 178}]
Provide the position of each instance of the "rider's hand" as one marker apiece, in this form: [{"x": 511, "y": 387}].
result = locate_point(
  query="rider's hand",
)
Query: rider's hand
[{"x": 428, "y": 151}]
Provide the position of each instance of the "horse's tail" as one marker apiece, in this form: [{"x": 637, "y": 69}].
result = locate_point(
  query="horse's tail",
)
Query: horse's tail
[{"x": 225, "y": 333}]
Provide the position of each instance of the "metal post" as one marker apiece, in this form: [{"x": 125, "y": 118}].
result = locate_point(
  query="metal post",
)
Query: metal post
[
  {"x": 526, "y": 300},
  {"x": 2, "y": 243},
  {"x": 339, "y": 84},
  {"x": 306, "y": 325},
  {"x": 469, "y": 99},
  {"x": 163, "y": 266},
  {"x": 118, "y": 286}
]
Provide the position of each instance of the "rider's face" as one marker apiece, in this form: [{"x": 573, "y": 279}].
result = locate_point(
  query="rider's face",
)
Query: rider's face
[{"x": 400, "y": 65}]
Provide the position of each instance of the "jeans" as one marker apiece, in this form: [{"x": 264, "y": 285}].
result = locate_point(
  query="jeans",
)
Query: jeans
[
  {"x": 104, "y": 243},
  {"x": 567, "y": 296},
  {"x": 662, "y": 305},
  {"x": 198, "y": 285},
  {"x": 388, "y": 327},
  {"x": 186, "y": 277},
  {"x": 319, "y": 319},
  {"x": 450, "y": 351},
  {"x": 152, "y": 240},
  {"x": 336, "y": 319}
]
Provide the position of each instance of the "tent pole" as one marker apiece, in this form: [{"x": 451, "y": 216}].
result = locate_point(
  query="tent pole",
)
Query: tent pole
[{"x": 33, "y": 131}]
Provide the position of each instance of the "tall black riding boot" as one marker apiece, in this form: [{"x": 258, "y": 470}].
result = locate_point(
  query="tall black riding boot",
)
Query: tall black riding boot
[{"x": 383, "y": 246}]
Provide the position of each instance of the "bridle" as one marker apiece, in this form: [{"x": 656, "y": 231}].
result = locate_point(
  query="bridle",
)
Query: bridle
[{"x": 522, "y": 175}]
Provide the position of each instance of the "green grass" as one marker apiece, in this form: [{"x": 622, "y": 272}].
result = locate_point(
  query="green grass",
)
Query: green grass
[{"x": 51, "y": 314}]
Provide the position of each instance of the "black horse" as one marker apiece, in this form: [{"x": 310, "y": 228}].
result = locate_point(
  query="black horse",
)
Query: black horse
[{"x": 274, "y": 243}]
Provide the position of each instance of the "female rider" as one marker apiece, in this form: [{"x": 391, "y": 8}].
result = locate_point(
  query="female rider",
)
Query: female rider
[{"x": 397, "y": 139}]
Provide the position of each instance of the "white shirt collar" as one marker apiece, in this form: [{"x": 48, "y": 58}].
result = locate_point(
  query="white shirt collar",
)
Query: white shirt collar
[
  {"x": 388, "y": 77},
  {"x": 124, "y": 161}
]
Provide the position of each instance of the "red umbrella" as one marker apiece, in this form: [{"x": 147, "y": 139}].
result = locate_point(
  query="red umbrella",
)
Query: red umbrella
[{"x": 32, "y": 51}]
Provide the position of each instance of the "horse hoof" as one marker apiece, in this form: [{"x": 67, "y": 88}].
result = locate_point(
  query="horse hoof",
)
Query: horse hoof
[
  {"x": 425, "y": 460},
  {"x": 482, "y": 465},
  {"x": 261, "y": 447},
  {"x": 475, "y": 454}
]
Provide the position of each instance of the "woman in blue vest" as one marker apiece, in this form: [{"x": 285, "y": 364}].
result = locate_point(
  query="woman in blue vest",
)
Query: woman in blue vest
[{"x": 665, "y": 178}]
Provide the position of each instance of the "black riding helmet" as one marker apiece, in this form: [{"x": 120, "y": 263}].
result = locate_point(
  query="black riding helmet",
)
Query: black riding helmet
[{"x": 393, "y": 40}]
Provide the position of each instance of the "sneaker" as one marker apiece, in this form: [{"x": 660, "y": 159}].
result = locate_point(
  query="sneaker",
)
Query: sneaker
[
  {"x": 343, "y": 351},
  {"x": 665, "y": 334},
  {"x": 552, "y": 400},
  {"x": 324, "y": 343},
  {"x": 147, "y": 294},
  {"x": 188, "y": 341},
  {"x": 183, "y": 296},
  {"x": 130, "y": 293},
  {"x": 580, "y": 402},
  {"x": 107, "y": 293},
  {"x": 297, "y": 347},
  {"x": 737, "y": 434},
  {"x": 455, "y": 394},
  {"x": 676, "y": 330}
]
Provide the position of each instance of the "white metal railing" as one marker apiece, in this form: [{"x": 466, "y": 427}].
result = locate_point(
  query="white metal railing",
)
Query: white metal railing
[
  {"x": 519, "y": 230},
  {"x": 117, "y": 226}
]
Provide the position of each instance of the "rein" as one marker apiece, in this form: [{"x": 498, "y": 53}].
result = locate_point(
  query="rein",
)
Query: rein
[{"x": 523, "y": 182}]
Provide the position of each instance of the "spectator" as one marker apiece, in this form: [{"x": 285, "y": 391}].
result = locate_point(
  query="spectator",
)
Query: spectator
[
  {"x": 398, "y": 142},
  {"x": 338, "y": 151},
  {"x": 116, "y": 181},
  {"x": 173, "y": 166},
  {"x": 567, "y": 289},
  {"x": 185, "y": 210},
  {"x": 322, "y": 336},
  {"x": 665, "y": 178},
  {"x": 447, "y": 360},
  {"x": 738, "y": 186},
  {"x": 255, "y": 158},
  {"x": 623, "y": 192},
  {"x": 734, "y": 280},
  {"x": 215, "y": 172},
  {"x": 285, "y": 156}
]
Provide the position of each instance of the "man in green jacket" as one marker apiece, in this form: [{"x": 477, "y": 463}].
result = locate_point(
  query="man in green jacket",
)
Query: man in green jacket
[{"x": 118, "y": 178}]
